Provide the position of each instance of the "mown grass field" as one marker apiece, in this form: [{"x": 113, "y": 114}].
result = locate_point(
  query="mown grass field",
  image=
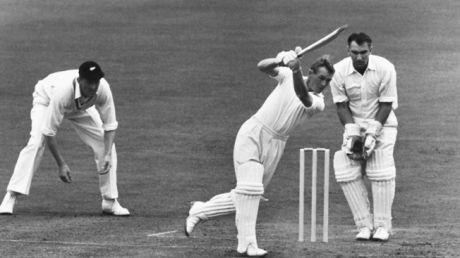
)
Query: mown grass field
[{"x": 184, "y": 78}]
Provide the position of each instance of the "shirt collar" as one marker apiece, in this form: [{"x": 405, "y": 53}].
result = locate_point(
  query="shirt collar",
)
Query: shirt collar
[
  {"x": 370, "y": 65},
  {"x": 77, "y": 88}
]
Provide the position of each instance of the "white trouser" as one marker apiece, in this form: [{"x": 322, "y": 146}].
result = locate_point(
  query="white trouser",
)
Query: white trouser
[
  {"x": 88, "y": 126},
  {"x": 255, "y": 142}
]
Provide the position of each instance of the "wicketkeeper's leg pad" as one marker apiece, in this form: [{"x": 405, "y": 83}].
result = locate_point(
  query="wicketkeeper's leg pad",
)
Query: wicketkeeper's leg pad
[
  {"x": 246, "y": 197},
  {"x": 346, "y": 169},
  {"x": 383, "y": 193},
  {"x": 358, "y": 199},
  {"x": 381, "y": 166}
]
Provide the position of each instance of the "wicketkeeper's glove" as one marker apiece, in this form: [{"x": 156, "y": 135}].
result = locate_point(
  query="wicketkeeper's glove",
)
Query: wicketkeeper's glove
[
  {"x": 354, "y": 143},
  {"x": 373, "y": 129}
]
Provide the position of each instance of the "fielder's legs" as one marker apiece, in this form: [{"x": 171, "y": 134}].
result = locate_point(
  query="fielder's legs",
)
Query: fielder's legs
[
  {"x": 348, "y": 175},
  {"x": 28, "y": 161},
  {"x": 88, "y": 126}
]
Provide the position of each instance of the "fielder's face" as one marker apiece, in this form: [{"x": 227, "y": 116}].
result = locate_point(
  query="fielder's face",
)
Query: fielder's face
[
  {"x": 318, "y": 81},
  {"x": 359, "y": 55},
  {"x": 88, "y": 89}
]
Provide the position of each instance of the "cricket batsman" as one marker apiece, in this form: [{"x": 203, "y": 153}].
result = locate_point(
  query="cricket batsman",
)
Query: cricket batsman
[
  {"x": 364, "y": 91},
  {"x": 260, "y": 143}
]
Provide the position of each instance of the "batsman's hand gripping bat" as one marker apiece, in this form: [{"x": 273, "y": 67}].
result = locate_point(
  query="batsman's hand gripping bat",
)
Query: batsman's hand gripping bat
[{"x": 325, "y": 40}]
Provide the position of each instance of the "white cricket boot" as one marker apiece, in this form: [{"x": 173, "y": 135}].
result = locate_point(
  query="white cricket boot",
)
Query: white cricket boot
[
  {"x": 6, "y": 208},
  {"x": 253, "y": 251},
  {"x": 381, "y": 234},
  {"x": 219, "y": 205},
  {"x": 364, "y": 234},
  {"x": 193, "y": 219},
  {"x": 112, "y": 207}
]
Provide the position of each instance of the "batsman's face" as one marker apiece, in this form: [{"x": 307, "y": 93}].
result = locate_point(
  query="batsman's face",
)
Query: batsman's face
[
  {"x": 88, "y": 89},
  {"x": 318, "y": 81},
  {"x": 359, "y": 55}
]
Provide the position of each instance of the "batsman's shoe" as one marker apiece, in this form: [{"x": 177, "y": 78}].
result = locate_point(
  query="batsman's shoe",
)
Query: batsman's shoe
[
  {"x": 364, "y": 234},
  {"x": 253, "y": 251},
  {"x": 6, "y": 208},
  {"x": 193, "y": 219},
  {"x": 381, "y": 234},
  {"x": 112, "y": 207}
]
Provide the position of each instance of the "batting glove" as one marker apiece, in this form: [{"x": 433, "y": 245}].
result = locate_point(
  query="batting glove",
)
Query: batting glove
[
  {"x": 279, "y": 57},
  {"x": 290, "y": 56}
]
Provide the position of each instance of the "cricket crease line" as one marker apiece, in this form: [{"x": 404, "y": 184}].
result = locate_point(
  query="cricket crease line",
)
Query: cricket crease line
[
  {"x": 162, "y": 233},
  {"x": 92, "y": 244}
]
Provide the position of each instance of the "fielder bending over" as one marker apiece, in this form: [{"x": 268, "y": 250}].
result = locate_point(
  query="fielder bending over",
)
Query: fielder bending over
[
  {"x": 260, "y": 143},
  {"x": 83, "y": 97},
  {"x": 364, "y": 90}
]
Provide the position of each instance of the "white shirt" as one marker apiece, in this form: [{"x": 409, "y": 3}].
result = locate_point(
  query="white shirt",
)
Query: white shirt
[
  {"x": 283, "y": 111},
  {"x": 60, "y": 91},
  {"x": 364, "y": 92}
]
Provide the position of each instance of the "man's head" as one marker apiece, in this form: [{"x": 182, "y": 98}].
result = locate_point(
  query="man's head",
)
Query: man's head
[
  {"x": 89, "y": 75},
  {"x": 320, "y": 74},
  {"x": 359, "y": 49}
]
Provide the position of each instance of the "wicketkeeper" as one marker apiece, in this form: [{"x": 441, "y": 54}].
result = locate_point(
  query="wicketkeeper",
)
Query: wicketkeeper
[
  {"x": 364, "y": 90},
  {"x": 260, "y": 144}
]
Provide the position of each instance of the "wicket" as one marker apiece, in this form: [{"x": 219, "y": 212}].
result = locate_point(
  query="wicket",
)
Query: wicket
[{"x": 314, "y": 161}]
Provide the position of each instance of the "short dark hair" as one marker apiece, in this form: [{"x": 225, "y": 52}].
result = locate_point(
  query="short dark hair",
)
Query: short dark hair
[
  {"x": 360, "y": 38},
  {"x": 323, "y": 61}
]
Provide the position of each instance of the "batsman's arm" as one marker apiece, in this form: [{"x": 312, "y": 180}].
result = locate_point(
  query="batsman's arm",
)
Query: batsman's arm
[
  {"x": 269, "y": 66},
  {"x": 300, "y": 88}
]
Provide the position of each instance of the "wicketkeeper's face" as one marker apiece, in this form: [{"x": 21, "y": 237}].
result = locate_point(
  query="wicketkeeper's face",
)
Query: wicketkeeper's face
[{"x": 359, "y": 54}]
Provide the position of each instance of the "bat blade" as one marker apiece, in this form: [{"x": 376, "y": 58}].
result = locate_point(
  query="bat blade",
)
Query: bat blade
[{"x": 323, "y": 41}]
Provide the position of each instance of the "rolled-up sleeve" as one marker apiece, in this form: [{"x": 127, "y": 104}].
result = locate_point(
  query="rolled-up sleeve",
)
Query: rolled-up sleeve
[
  {"x": 387, "y": 89},
  {"x": 106, "y": 108},
  {"x": 283, "y": 72},
  {"x": 54, "y": 116},
  {"x": 317, "y": 104},
  {"x": 338, "y": 88}
]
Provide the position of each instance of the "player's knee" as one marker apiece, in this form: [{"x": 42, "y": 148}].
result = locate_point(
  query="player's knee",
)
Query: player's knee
[
  {"x": 345, "y": 169},
  {"x": 36, "y": 141},
  {"x": 249, "y": 179},
  {"x": 381, "y": 166}
]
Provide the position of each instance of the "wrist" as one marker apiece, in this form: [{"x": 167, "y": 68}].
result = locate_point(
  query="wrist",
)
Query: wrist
[
  {"x": 352, "y": 129},
  {"x": 373, "y": 128}
]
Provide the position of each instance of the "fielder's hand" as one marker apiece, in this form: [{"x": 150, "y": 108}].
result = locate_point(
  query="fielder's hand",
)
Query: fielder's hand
[
  {"x": 64, "y": 173},
  {"x": 106, "y": 165}
]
